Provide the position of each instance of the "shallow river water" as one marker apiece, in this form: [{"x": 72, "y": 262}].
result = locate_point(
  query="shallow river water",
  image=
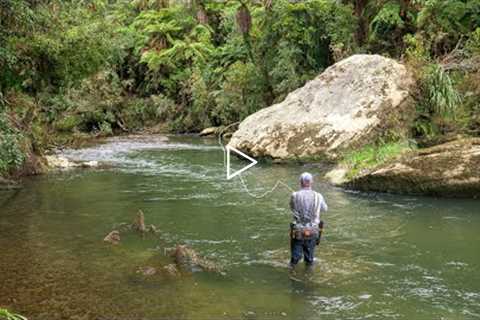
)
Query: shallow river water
[{"x": 382, "y": 256}]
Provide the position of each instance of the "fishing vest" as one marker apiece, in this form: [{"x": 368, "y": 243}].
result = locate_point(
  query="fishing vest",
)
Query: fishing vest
[{"x": 305, "y": 212}]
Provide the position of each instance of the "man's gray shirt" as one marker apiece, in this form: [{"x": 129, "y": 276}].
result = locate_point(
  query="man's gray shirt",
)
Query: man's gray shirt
[{"x": 306, "y": 206}]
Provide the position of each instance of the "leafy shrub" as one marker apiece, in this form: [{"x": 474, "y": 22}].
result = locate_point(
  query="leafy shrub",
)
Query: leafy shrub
[
  {"x": 11, "y": 153},
  {"x": 286, "y": 76},
  {"x": 295, "y": 40},
  {"x": 473, "y": 44},
  {"x": 105, "y": 128},
  {"x": 386, "y": 22},
  {"x": 67, "y": 123},
  {"x": 445, "y": 21},
  {"x": 62, "y": 44},
  {"x": 240, "y": 93},
  {"x": 470, "y": 83},
  {"x": 416, "y": 52},
  {"x": 135, "y": 114}
]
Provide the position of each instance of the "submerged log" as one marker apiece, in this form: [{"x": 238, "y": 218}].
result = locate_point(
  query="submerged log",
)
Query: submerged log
[{"x": 139, "y": 222}]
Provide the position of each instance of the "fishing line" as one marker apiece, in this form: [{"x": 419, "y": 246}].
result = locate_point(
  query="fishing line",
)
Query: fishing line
[{"x": 243, "y": 183}]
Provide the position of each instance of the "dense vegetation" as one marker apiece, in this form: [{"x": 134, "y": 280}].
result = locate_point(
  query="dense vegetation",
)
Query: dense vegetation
[{"x": 71, "y": 69}]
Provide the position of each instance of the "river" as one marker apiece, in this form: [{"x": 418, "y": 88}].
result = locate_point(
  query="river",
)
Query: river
[{"x": 382, "y": 256}]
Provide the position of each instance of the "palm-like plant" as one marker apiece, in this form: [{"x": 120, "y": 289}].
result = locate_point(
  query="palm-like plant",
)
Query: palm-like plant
[
  {"x": 157, "y": 28},
  {"x": 194, "y": 47},
  {"x": 171, "y": 37}
]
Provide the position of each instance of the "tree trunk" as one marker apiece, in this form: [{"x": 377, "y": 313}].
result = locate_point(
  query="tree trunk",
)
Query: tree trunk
[{"x": 362, "y": 28}]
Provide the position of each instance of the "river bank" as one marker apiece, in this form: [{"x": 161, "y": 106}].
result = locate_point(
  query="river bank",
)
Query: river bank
[
  {"x": 35, "y": 160},
  {"x": 360, "y": 113}
]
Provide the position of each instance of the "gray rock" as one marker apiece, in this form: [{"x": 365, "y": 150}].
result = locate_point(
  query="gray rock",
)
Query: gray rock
[
  {"x": 63, "y": 163},
  {"x": 450, "y": 169},
  {"x": 171, "y": 270},
  {"x": 89, "y": 164},
  {"x": 113, "y": 237},
  {"x": 349, "y": 105},
  {"x": 60, "y": 162},
  {"x": 147, "y": 271}
]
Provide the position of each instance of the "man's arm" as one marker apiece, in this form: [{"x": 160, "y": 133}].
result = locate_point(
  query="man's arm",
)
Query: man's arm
[
  {"x": 320, "y": 206},
  {"x": 323, "y": 204}
]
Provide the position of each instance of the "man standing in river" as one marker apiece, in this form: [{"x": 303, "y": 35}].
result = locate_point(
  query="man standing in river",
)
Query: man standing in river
[{"x": 306, "y": 206}]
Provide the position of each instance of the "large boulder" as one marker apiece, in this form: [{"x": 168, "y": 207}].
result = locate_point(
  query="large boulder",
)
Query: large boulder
[
  {"x": 352, "y": 103},
  {"x": 450, "y": 169}
]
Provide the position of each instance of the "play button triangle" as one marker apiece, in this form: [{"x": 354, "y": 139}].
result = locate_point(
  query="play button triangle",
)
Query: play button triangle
[{"x": 252, "y": 162}]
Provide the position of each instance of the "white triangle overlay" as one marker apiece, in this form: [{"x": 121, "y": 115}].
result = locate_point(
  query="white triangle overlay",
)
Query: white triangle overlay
[{"x": 252, "y": 162}]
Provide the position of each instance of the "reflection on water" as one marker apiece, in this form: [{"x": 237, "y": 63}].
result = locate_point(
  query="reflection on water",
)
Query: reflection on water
[{"x": 382, "y": 256}]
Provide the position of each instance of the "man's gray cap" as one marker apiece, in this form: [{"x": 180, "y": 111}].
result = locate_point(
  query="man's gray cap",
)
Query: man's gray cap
[{"x": 306, "y": 178}]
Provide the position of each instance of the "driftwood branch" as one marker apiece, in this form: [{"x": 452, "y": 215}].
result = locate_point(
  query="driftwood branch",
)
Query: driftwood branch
[
  {"x": 458, "y": 59},
  {"x": 121, "y": 124},
  {"x": 467, "y": 65}
]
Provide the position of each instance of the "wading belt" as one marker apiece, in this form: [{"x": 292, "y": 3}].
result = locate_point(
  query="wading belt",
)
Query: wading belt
[{"x": 302, "y": 232}]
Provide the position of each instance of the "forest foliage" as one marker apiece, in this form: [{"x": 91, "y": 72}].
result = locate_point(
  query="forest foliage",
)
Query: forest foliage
[{"x": 76, "y": 68}]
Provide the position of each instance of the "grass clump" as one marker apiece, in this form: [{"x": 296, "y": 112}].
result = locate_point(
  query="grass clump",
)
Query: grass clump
[
  {"x": 7, "y": 315},
  {"x": 373, "y": 155}
]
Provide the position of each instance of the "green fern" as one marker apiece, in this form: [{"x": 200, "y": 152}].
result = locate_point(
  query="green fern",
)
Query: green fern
[{"x": 387, "y": 20}]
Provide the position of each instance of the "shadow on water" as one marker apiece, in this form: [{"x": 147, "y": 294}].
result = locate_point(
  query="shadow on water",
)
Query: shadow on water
[{"x": 381, "y": 256}]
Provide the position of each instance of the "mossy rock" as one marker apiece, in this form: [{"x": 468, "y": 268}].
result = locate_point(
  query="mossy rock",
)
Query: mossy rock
[{"x": 449, "y": 170}]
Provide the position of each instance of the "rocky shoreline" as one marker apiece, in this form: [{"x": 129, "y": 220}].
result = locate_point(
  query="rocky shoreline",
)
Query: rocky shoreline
[{"x": 447, "y": 170}]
